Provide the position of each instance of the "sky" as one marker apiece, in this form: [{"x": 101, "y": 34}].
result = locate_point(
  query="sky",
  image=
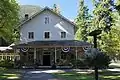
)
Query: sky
[{"x": 68, "y": 8}]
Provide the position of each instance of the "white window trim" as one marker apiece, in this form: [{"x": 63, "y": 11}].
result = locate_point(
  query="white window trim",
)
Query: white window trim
[
  {"x": 48, "y": 22},
  {"x": 49, "y": 35},
  {"x": 65, "y": 36},
  {"x": 33, "y": 35}
]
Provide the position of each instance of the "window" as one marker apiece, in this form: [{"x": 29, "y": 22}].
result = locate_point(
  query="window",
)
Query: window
[
  {"x": 31, "y": 35},
  {"x": 47, "y": 35},
  {"x": 63, "y": 34},
  {"x": 46, "y": 20}
]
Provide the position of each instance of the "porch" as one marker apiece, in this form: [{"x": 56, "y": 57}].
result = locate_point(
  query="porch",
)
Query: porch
[{"x": 49, "y": 53}]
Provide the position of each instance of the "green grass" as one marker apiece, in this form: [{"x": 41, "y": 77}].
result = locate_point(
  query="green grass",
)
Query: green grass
[
  {"x": 9, "y": 74},
  {"x": 115, "y": 65},
  {"x": 104, "y": 75}
]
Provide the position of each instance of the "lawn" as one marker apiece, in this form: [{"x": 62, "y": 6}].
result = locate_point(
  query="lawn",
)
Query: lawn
[
  {"x": 6, "y": 74},
  {"x": 103, "y": 75}
]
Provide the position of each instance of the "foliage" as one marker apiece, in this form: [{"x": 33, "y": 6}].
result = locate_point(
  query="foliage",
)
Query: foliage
[
  {"x": 29, "y": 9},
  {"x": 6, "y": 64},
  {"x": 94, "y": 57},
  {"x": 107, "y": 19},
  {"x": 117, "y": 6},
  {"x": 8, "y": 19},
  {"x": 82, "y": 22},
  {"x": 2, "y": 69},
  {"x": 80, "y": 63},
  {"x": 111, "y": 43},
  {"x": 102, "y": 15},
  {"x": 56, "y": 8}
]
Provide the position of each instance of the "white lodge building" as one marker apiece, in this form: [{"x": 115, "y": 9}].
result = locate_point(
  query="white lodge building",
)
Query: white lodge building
[{"x": 47, "y": 38}]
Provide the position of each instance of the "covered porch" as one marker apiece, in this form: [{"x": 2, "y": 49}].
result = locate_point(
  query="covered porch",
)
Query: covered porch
[{"x": 49, "y": 53}]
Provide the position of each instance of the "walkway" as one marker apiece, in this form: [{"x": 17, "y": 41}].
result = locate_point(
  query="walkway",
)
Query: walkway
[{"x": 38, "y": 75}]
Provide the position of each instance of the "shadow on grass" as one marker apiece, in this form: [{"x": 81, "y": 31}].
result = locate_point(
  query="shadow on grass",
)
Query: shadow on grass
[
  {"x": 74, "y": 76},
  {"x": 9, "y": 75},
  {"x": 110, "y": 75},
  {"x": 104, "y": 75}
]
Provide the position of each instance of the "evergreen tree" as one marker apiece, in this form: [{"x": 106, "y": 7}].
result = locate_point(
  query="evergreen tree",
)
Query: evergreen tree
[
  {"x": 103, "y": 18},
  {"x": 108, "y": 21},
  {"x": 82, "y": 22},
  {"x": 111, "y": 41},
  {"x": 102, "y": 15}
]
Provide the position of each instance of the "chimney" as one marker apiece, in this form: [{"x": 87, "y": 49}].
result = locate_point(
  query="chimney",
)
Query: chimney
[{"x": 26, "y": 16}]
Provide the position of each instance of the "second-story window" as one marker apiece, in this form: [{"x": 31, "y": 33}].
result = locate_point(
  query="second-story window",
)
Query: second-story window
[
  {"x": 31, "y": 35},
  {"x": 46, "y": 20},
  {"x": 63, "y": 34},
  {"x": 47, "y": 35}
]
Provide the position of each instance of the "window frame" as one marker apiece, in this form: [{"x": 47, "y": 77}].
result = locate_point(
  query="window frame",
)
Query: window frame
[
  {"x": 62, "y": 35},
  {"x": 46, "y": 32},
  {"x": 46, "y": 20},
  {"x": 30, "y": 35}
]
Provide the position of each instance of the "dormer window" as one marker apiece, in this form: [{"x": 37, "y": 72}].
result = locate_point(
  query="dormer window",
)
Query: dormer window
[
  {"x": 31, "y": 35},
  {"x": 46, "y": 20},
  {"x": 63, "y": 34},
  {"x": 46, "y": 35}
]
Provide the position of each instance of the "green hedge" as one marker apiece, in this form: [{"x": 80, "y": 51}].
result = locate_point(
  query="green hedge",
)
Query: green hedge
[{"x": 6, "y": 64}]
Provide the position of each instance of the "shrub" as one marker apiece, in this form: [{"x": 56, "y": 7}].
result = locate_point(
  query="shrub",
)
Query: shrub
[
  {"x": 6, "y": 63},
  {"x": 80, "y": 63},
  {"x": 94, "y": 57}
]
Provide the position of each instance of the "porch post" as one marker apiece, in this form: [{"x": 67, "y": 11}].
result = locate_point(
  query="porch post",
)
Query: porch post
[
  {"x": 55, "y": 55},
  {"x": 14, "y": 54},
  {"x": 2, "y": 55},
  {"x": 34, "y": 55},
  {"x": 6, "y": 55},
  {"x": 76, "y": 56}
]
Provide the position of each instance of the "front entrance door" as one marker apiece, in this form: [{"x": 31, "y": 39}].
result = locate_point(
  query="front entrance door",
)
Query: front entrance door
[{"x": 46, "y": 59}]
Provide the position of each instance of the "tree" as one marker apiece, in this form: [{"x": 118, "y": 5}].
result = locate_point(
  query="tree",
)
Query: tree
[
  {"x": 111, "y": 41},
  {"x": 96, "y": 59},
  {"x": 82, "y": 22},
  {"x": 56, "y": 8},
  {"x": 102, "y": 15},
  {"x": 117, "y": 6},
  {"x": 8, "y": 19},
  {"x": 103, "y": 20}
]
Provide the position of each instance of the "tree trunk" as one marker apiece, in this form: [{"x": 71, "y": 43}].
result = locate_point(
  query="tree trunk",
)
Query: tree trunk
[
  {"x": 96, "y": 73},
  {"x": 95, "y": 46}
]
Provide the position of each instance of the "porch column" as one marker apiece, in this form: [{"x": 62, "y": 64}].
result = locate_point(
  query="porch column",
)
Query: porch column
[
  {"x": 14, "y": 54},
  {"x": 55, "y": 55},
  {"x": 76, "y": 52},
  {"x": 34, "y": 55},
  {"x": 76, "y": 55},
  {"x": 6, "y": 55},
  {"x": 2, "y": 55}
]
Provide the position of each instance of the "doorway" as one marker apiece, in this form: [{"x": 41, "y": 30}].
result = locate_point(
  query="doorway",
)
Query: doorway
[{"x": 46, "y": 59}]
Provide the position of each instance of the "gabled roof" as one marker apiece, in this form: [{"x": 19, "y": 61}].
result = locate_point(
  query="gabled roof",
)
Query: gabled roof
[{"x": 44, "y": 9}]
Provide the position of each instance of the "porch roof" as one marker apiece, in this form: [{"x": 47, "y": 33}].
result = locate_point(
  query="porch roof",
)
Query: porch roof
[{"x": 57, "y": 43}]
